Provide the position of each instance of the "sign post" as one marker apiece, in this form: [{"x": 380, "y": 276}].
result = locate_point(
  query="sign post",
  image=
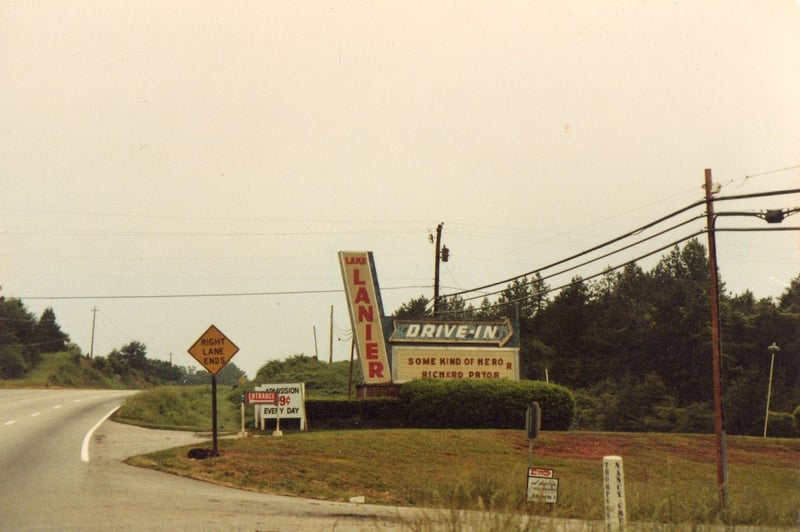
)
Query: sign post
[
  {"x": 533, "y": 423},
  {"x": 213, "y": 350},
  {"x": 542, "y": 484}
]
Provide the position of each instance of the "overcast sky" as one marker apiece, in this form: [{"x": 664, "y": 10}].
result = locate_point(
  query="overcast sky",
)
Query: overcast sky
[{"x": 156, "y": 148}]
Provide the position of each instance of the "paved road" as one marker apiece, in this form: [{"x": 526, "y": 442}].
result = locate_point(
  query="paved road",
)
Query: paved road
[
  {"x": 61, "y": 468},
  {"x": 47, "y": 484}
]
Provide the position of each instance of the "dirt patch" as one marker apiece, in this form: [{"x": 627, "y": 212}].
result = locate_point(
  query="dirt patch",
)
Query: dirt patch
[{"x": 583, "y": 446}]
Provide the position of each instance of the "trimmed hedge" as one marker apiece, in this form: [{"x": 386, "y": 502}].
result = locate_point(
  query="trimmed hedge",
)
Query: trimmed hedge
[
  {"x": 429, "y": 403},
  {"x": 485, "y": 404},
  {"x": 353, "y": 414}
]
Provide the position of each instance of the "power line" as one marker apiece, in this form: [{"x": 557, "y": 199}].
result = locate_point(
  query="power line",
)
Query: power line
[
  {"x": 627, "y": 235},
  {"x": 586, "y": 252},
  {"x": 207, "y": 295},
  {"x": 605, "y": 271},
  {"x": 777, "y": 170}
]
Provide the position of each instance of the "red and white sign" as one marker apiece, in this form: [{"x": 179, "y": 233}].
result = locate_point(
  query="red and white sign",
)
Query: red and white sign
[
  {"x": 542, "y": 487},
  {"x": 289, "y": 403},
  {"x": 261, "y": 398}
]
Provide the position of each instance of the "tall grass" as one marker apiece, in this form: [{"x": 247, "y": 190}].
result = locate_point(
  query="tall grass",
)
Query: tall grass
[{"x": 181, "y": 408}]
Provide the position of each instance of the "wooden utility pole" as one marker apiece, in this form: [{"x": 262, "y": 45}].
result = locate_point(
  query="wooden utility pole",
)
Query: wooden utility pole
[
  {"x": 91, "y": 345},
  {"x": 330, "y": 341},
  {"x": 436, "y": 269},
  {"x": 350, "y": 378},
  {"x": 716, "y": 342}
]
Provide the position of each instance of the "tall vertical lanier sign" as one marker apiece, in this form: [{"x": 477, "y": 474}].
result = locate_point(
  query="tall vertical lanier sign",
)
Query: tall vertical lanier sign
[{"x": 366, "y": 309}]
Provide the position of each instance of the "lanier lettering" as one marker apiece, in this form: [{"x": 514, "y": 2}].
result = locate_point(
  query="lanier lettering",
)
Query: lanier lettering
[
  {"x": 366, "y": 313},
  {"x": 357, "y": 278},
  {"x": 375, "y": 369},
  {"x": 362, "y": 296}
]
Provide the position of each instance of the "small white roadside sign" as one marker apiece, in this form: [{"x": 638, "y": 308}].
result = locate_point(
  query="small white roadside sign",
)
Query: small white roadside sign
[{"x": 542, "y": 486}]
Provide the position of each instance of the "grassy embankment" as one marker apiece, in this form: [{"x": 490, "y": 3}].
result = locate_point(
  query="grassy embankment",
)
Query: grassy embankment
[
  {"x": 61, "y": 370},
  {"x": 670, "y": 478}
]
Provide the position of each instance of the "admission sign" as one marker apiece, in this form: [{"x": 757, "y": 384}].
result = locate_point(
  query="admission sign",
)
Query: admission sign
[
  {"x": 213, "y": 350},
  {"x": 279, "y": 401}
]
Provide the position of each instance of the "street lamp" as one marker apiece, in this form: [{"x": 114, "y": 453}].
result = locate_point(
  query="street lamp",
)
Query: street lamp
[{"x": 772, "y": 349}]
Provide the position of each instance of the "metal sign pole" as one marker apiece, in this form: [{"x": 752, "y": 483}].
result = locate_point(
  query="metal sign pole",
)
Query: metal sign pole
[
  {"x": 214, "y": 411},
  {"x": 530, "y": 453}
]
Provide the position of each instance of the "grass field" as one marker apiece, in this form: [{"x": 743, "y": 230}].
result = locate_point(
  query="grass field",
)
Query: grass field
[{"x": 668, "y": 478}]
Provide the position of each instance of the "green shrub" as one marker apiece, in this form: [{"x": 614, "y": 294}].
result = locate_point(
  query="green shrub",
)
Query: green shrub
[
  {"x": 449, "y": 404},
  {"x": 485, "y": 404},
  {"x": 360, "y": 413},
  {"x": 12, "y": 363},
  {"x": 179, "y": 407},
  {"x": 76, "y": 371},
  {"x": 781, "y": 425},
  {"x": 638, "y": 406}
]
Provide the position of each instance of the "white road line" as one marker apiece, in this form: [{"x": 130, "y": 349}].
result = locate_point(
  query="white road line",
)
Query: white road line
[
  {"x": 77, "y": 400},
  {"x": 88, "y": 437},
  {"x": 35, "y": 414},
  {"x": 7, "y": 423},
  {"x": 56, "y": 407}
]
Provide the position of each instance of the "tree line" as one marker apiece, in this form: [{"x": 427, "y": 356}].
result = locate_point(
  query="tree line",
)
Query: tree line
[
  {"x": 131, "y": 365},
  {"x": 635, "y": 345},
  {"x": 25, "y": 339}
]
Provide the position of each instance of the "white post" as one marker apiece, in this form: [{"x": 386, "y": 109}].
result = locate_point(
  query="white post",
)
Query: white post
[
  {"x": 614, "y": 484},
  {"x": 278, "y": 431},
  {"x": 242, "y": 434}
]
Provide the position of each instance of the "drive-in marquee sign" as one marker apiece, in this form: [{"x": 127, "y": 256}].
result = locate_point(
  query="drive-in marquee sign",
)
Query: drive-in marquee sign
[
  {"x": 454, "y": 332},
  {"x": 436, "y": 362},
  {"x": 421, "y": 348}
]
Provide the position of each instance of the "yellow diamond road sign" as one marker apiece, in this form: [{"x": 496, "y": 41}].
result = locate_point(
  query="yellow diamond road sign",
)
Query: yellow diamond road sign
[{"x": 213, "y": 350}]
